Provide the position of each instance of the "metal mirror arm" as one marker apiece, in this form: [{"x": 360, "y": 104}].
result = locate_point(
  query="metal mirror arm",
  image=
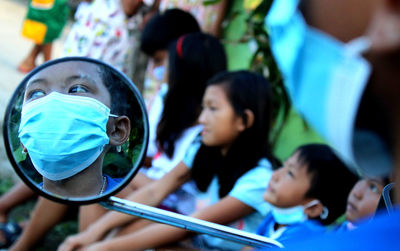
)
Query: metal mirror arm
[
  {"x": 387, "y": 197},
  {"x": 189, "y": 223}
]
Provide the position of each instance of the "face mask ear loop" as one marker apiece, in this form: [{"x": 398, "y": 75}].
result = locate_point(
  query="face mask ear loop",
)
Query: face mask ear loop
[
  {"x": 358, "y": 46},
  {"x": 113, "y": 115},
  {"x": 325, "y": 210},
  {"x": 325, "y": 213},
  {"x": 311, "y": 203}
]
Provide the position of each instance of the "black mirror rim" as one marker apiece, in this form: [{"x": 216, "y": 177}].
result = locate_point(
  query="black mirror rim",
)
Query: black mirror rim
[{"x": 77, "y": 201}]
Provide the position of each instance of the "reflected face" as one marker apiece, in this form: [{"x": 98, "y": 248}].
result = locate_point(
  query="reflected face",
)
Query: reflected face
[
  {"x": 342, "y": 19},
  {"x": 363, "y": 199},
  {"x": 60, "y": 114},
  {"x": 221, "y": 124},
  {"x": 71, "y": 78},
  {"x": 289, "y": 184}
]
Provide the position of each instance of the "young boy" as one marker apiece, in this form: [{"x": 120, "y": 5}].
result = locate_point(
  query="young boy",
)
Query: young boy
[{"x": 308, "y": 192}]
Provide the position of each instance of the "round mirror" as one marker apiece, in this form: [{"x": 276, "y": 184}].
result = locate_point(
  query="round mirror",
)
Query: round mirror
[{"x": 76, "y": 130}]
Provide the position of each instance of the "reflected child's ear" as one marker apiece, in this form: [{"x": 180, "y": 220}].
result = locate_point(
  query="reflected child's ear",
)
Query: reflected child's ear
[{"x": 120, "y": 129}]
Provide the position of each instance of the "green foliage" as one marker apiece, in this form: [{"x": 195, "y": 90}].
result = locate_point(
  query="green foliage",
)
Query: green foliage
[
  {"x": 210, "y": 2},
  {"x": 264, "y": 63},
  {"x": 5, "y": 185}
]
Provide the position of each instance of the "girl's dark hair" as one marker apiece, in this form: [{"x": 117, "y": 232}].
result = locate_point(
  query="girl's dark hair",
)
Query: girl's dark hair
[
  {"x": 193, "y": 59},
  {"x": 165, "y": 27},
  {"x": 331, "y": 180},
  {"x": 244, "y": 90}
]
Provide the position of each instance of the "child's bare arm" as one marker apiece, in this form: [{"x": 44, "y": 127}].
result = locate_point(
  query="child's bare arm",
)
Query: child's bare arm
[
  {"x": 225, "y": 211},
  {"x": 152, "y": 194}
]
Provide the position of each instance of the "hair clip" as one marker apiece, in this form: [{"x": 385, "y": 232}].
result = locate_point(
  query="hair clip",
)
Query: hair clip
[{"x": 179, "y": 43}]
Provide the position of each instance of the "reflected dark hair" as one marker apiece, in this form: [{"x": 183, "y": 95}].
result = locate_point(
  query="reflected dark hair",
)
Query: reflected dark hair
[
  {"x": 193, "y": 59},
  {"x": 331, "y": 180},
  {"x": 244, "y": 90},
  {"x": 165, "y": 27},
  {"x": 123, "y": 102},
  {"x": 117, "y": 90}
]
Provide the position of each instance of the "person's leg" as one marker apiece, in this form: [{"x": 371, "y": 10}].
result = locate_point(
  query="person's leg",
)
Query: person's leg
[
  {"x": 18, "y": 194},
  {"x": 29, "y": 62},
  {"x": 89, "y": 214},
  {"x": 47, "y": 51},
  {"x": 45, "y": 215},
  {"x": 132, "y": 227}
]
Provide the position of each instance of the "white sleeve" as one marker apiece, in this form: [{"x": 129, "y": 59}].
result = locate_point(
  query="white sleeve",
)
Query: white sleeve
[{"x": 252, "y": 185}]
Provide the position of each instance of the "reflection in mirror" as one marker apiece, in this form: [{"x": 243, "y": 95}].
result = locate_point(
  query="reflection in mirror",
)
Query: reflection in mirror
[{"x": 76, "y": 130}]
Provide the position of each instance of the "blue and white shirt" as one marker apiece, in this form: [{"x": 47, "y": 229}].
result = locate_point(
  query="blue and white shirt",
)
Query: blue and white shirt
[{"x": 249, "y": 189}]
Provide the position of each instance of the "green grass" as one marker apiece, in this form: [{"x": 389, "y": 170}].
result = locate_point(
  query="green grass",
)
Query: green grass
[{"x": 5, "y": 185}]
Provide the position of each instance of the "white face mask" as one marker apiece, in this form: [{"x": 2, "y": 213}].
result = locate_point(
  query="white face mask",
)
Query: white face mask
[
  {"x": 325, "y": 79},
  {"x": 292, "y": 215}
]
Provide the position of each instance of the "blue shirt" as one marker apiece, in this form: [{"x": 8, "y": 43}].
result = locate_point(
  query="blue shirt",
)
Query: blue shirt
[
  {"x": 297, "y": 231},
  {"x": 382, "y": 233},
  {"x": 111, "y": 183}
]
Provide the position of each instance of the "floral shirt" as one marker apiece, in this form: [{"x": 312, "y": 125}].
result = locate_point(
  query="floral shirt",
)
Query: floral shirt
[{"x": 101, "y": 31}]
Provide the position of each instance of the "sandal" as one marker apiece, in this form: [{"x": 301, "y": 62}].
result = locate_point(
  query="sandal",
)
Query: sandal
[{"x": 11, "y": 232}]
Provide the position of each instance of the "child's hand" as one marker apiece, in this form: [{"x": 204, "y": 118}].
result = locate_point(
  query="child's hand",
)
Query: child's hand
[
  {"x": 80, "y": 240},
  {"x": 99, "y": 246}
]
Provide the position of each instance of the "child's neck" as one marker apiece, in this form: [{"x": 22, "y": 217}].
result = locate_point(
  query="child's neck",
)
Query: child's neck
[{"x": 84, "y": 184}]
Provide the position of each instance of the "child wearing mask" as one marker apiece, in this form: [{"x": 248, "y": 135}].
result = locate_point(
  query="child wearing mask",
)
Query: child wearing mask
[{"x": 307, "y": 193}]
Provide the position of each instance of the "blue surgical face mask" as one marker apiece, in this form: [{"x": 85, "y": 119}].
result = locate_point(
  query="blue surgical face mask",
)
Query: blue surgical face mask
[
  {"x": 64, "y": 134},
  {"x": 158, "y": 73},
  {"x": 292, "y": 215},
  {"x": 325, "y": 79}
]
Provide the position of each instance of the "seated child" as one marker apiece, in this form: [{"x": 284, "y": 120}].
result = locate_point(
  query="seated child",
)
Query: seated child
[
  {"x": 308, "y": 192},
  {"x": 363, "y": 201}
]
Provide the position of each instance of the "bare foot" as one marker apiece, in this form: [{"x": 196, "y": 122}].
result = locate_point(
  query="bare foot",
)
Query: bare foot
[{"x": 26, "y": 67}]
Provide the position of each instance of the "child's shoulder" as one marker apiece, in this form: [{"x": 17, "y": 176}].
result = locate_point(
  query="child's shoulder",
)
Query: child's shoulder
[
  {"x": 264, "y": 162},
  {"x": 262, "y": 170}
]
